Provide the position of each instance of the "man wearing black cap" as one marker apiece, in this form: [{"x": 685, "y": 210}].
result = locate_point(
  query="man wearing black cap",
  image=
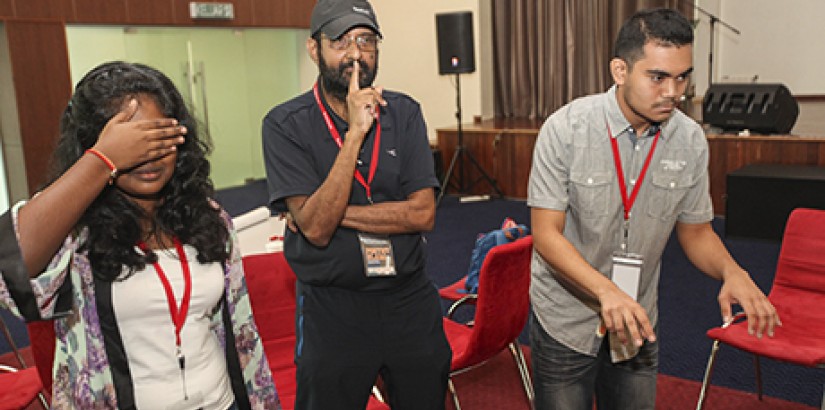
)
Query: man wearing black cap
[{"x": 351, "y": 165}]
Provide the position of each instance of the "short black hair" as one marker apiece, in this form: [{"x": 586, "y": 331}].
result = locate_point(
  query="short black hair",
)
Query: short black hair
[{"x": 664, "y": 26}]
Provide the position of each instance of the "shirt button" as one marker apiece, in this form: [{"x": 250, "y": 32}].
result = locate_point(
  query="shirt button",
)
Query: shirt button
[
  {"x": 672, "y": 184},
  {"x": 632, "y": 182},
  {"x": 589, "y": 181},
  {"x": 637, "y": 147}
]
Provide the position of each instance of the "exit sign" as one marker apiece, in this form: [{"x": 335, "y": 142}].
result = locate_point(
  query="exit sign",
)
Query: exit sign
[{"x": 215, "y": 11}]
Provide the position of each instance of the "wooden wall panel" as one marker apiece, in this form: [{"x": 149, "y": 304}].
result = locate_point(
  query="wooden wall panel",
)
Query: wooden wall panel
[
  {"x": 43, "y": 9},
  {"x": 299, "y": 12},
  {"x": 42, "y": 84},
  {"x": 730, "y": 152},
  {"x": 6, "y": 8},
  {"x": 271, "y": 13},
  {"x": 96, "y": 11},
  {"x": 504, "y": 155},
  {"x": 160, "y": 12},
  {"x": 248, "y": 13}
]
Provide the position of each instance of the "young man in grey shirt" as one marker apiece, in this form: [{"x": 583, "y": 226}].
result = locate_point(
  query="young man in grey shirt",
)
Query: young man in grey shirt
[{"x": 613, "y": 174}]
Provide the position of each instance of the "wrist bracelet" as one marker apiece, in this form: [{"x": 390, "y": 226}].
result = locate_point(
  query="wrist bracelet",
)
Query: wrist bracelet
[{"x": 107, "y": 161}]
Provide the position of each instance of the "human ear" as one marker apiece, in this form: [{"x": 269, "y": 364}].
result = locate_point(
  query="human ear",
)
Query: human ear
[
  {"x": 618, "y": 70},
  {"x": 312, "y": 49}
]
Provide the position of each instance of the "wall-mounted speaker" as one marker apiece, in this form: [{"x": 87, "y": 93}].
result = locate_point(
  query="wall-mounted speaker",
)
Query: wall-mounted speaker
[
  {"x": 760, "y": 108},
  {"x": 454, "y": 32}
]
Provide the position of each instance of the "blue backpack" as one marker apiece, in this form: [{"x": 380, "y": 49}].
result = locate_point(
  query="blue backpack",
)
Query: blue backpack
[{"x": 509, "y": 232}]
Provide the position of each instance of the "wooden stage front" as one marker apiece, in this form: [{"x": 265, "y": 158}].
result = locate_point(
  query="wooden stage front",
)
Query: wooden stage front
[{"x": 504, "y": 149}]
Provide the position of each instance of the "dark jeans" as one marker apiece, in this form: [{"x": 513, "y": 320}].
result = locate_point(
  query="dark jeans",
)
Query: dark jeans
[{"x": 564, "y": 379}]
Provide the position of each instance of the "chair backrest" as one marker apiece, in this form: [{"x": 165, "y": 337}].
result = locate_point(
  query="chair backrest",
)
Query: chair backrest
[
  {"x": 42, "y": 341},
  {"x": 800, "y": 271},
  {"x": 271, "y": 285},
  {"x": 503, "y": 301}
]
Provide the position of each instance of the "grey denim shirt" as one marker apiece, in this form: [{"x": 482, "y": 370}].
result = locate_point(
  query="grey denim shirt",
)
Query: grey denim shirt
[{"x": 573, "y": 171}]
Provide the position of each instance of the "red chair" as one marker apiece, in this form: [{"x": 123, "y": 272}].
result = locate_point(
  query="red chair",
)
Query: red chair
[
  {"x": 271, "y": 284},
  {"x": 798, "y": 293},
  {"x": 19, "y": 387},
  {"x": 502, "y": 305}
]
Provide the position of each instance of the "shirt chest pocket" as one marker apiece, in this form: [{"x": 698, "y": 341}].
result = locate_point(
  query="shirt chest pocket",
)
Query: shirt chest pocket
[
  {"x": 667, "y": 191},
  {"x": 590, "y": 193}
]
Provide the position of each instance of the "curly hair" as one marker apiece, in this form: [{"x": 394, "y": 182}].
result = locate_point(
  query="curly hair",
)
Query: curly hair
[{"x": 113, "y": 221}]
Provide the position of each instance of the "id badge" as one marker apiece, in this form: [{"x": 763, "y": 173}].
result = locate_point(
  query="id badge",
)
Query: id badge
[
  {"x": 627, "y": 272},
  {"x": 378, "y": 257},
  {"x": 195, "y": 401}
]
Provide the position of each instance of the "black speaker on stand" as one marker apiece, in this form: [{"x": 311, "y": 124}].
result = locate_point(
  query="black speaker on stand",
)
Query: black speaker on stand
[{"x": 456, "y": 55}]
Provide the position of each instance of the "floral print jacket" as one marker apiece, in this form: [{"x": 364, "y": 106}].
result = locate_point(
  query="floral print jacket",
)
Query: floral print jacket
[{"x": 65, "y": 293}]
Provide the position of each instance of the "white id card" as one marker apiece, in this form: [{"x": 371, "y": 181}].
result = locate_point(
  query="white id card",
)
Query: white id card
[
  {"x": 378, "y": 257},
  {"x": 627, "y": 272}
]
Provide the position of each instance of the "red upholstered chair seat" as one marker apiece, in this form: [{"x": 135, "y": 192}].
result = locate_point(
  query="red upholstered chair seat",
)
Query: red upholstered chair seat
[
  {"x": 798, "y": 293},
  {"x": 19, "y": 389}
]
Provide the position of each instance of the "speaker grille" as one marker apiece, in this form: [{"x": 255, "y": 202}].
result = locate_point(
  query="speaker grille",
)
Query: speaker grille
[{"x": 761, "y": 108}]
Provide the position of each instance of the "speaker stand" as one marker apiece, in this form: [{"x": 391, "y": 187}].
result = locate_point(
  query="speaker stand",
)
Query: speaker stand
[{"x": 461, "y": 184}]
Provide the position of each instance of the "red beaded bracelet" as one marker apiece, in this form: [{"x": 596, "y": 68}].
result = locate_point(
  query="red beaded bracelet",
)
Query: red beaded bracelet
[{"x": 108, "y": 162}]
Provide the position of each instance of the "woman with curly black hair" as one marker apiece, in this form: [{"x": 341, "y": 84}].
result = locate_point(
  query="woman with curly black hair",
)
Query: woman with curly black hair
[{"x": 138, "y": 265}]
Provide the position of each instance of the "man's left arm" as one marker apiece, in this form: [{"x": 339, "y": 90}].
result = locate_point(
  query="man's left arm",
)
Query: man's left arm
[
  {"x": 414, "y": 214},
  {"x": 706, "y": 251}
]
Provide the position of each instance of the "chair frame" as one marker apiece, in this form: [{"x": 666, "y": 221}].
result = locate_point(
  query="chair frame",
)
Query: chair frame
[
  {"x": 513, "y": 346},
  {"x": 515, "y": 350},
  {"x": 780, "y": 272},
  {"x": 40, "y": 395}
]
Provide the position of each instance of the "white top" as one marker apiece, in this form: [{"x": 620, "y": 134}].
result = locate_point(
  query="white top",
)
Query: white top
[{"x": 148, "y": 335}]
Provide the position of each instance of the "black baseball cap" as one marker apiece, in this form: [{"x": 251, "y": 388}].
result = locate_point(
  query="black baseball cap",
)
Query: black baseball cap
[{"x": 336, "y": 17}]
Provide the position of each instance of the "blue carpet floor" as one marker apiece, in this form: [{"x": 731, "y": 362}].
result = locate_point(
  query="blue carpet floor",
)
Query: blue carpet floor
[{"x": 687, "y": 299}]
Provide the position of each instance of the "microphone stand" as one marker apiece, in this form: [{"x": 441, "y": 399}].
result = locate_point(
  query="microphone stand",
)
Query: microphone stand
[{"x": 713, "y": 21}]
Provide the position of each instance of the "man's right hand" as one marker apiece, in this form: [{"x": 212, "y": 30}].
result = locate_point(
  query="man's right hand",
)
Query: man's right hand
[
  {"x": 362, "y": 104},
  {"x": 625, "y": 317}
]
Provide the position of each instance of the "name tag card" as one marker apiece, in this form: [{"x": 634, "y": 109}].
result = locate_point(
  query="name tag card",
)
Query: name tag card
[
  {"x": 378, "y": 257},
  {"x": 627, "y": 272}
]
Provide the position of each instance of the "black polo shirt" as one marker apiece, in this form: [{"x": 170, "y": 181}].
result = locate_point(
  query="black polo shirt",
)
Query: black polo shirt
[{"x": 299, "y": 152}]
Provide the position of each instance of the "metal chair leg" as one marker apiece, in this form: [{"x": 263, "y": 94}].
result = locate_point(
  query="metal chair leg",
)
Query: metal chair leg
[
  {"x": 454, "y": 395},
  {"x": 10, "y": 340},
  {"x": 708, "y": 373},
  {"x": 524, "y": 372},
  {"x": 757, "y": 368}
]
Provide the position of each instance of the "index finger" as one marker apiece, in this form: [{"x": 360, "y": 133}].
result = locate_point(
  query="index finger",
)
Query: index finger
[
  {"x": 126, "y": 112},
  {"x": 353, "y": 79}
]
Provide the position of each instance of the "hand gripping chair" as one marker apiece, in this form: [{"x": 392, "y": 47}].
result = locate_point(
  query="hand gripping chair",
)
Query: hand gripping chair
[
  {"x": 502, "y": 305},
  {"x": 19, "y": 387},
  {"x": 271, "y": 285},
  {"x": 798, "y": 293}
]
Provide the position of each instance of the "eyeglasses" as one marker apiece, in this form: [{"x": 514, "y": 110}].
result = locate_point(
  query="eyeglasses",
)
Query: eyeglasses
[{"x": 365, "y": 42}]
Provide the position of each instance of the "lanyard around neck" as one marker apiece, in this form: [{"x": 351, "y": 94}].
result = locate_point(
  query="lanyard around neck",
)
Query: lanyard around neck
[
  {"x": 336, "y": 136},
  {"x": 617, "y": 160},
  {"x": 178, "y": 314}
]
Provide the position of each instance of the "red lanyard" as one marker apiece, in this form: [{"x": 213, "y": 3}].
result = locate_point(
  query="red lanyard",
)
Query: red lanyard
[
  {"x": 178, "y": 314},
  {"x": 617, "y": 160},
  {"x": 337, "y": 138}
]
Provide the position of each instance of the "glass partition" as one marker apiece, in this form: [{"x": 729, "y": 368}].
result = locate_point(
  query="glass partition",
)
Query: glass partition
[{"x": 230, "y": 78}]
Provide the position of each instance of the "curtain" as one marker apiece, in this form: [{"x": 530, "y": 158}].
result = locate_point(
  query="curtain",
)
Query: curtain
[{"x": 549, "y": 52}]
